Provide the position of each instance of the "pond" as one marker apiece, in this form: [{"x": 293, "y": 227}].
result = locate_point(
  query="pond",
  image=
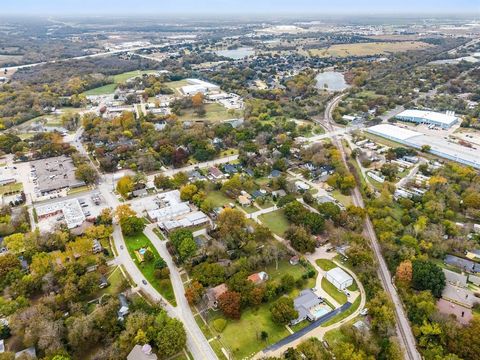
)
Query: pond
[
  {"x": 236, "y": 54},
  {"x": 331, "y": 81}
]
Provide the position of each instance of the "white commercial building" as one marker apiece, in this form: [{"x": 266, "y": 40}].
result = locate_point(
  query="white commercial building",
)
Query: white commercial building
[
  {"x": 442, "y": 120},
  {"x": 438, "y": 145},
  {"x": 199, "y": 86},
  {"x": 70, "y": 209},
  {"x": 339, "y": 278}
]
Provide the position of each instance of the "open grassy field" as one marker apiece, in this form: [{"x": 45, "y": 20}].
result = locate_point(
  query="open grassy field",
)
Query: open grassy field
[
  {"x": 243, "y": 336},
  {"x": 346, "y": 200},
  {"x": 214, "y": 112},
  {"x": 275, "y": 221},
  {"x": 331, "y": 290},
  {"x": 176, "y": 85},
  {"x": 117, "y": 79},
  {"x": 368, "y": 49},
  {"x": 164, "y": 287},
  {"x": 218, "y": 199}
]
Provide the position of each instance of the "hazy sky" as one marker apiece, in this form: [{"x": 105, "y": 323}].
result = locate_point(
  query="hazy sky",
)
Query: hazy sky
[{"x": 205, "y": 7}]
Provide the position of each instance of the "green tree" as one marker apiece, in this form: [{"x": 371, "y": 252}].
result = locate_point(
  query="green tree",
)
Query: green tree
[
  {"x": 132, "y": 225},
  {"x": 428, "y": 276},
  {"x": 125, "y": 185},
  {"x": 86, "y": 173},
  {"x": 300, "y": 239},
  {"x": 283, "y": 311}
]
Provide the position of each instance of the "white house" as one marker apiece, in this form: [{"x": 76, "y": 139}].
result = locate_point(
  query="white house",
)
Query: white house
[{"x": 339, "y": 278}]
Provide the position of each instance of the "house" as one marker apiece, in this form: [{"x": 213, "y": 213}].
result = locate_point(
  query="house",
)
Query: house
[
  {"x": 301, "y": 186},
  {"x": 103, "y": 283},
  {"x": 140, "y": 193},
  {"x": 142, "y": 353},
  {"x": 215, "y": 173},
  {"x": 455, "y": 279},
  {"x": 244, "y": 201},
  {"x": 339, "y": 278},
  {"x": 460, "y": 296},
  {"x": 230, "y": 169},
  {"x": 258, "y": 278},
  {"x": 294, "y": 260},
  {"x": 274, "y": 174},
  {"x": 309, "y": 307},
  {"x": 214, "y": 293},
  {"x": 462, "y": 264},
  {"x": 30, "y": 352},
  {"x": 279, "y": 193},
  {"x": 97, "y": 247},
  {"x": 259, "y": 193},
  {"x": 124, "y": 309}
]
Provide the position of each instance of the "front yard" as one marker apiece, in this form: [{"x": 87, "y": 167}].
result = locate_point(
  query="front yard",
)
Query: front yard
[
  {"x": 331, "y": 290},
  {"x": 163, "y": 286}
]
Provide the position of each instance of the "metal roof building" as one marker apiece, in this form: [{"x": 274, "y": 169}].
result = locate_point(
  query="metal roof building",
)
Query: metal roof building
[
  {"x": 339, "y": 278},
  {"x": 446, "y": 120}
]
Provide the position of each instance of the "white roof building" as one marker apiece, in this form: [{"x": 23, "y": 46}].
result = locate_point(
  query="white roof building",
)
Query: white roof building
[
  {"x": 429, "y": 117},
  {"x": 199, "y": 86},
  {"x": 339, "y": 278},
  {"x": 71, "y": 210}
]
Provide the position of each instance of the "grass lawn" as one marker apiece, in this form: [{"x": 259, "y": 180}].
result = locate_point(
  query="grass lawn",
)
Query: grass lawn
[
  {"x": 102, "y": 90},
  {"x": 11, "y": 188},
  {"x": 117, "y": 281},
  {"x": 346, "y": 200},
  {"x": 218, "y": 199},
  {"x": 345, "y": 314},
  {"x": 79, "y": 189},
  {"x": 243, "y": 336},
  {"x": 214, "y": 112},
  {"x": 176, "y": 85},
  {"x": 275, "y": 221},
  {"x": 300, "y": 326},
  {"x": 164, "y": 287},
  {"x": 201, "y": 324},
  {"x": 331, "y": 290},
  {"x": 121, "y": 78},
  {"x": 248, "y": 209},
  {"x": 353, "y": 287},
  {"x": 228, "y": 152},
  {"x": 284, "y": 267},
  {"x": 326, "y": 264},
  {"x": 217, "y": 347}
]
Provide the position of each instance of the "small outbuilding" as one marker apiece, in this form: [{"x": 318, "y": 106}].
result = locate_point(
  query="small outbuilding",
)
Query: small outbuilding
[{"x": 339, "y": 278}]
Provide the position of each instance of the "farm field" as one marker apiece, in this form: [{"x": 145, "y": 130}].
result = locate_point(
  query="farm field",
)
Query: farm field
[{"x": 368, "y": 49}]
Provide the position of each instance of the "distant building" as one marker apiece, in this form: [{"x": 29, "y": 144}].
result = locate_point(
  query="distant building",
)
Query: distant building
[
  {"x": 199, "y": 86},
  {"x": 444, "y": 121},
  {"x": 214, "y": 293},
  {"x": 339, "y": 278}
]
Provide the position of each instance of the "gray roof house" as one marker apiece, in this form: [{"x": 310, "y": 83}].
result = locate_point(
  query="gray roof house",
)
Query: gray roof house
[
  {"x": 142, "y": 353},
  {"x": 305, "y": 304}
]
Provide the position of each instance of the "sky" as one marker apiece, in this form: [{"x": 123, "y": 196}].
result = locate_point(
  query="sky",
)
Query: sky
[{"x": 215, "y": 7}]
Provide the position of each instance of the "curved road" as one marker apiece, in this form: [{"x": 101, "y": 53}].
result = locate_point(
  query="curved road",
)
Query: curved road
[{"x": 404, "y": 330}]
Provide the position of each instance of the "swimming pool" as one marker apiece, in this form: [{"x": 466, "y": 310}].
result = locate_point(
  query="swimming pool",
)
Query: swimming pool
[{"x": 321, "y": 310}]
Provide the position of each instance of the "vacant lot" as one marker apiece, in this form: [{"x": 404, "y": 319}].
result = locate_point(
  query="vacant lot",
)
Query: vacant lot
[
  {"x": 164, "y": 287},
  {"x": 117, "y": 79},
  {"x": 214, "y": 112},
  {"x": 275, "y": 221},
  {"x": 370, "y": 48}
]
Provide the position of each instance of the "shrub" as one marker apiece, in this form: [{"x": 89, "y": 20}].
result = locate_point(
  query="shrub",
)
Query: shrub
[{"x": 219, "y": 324}]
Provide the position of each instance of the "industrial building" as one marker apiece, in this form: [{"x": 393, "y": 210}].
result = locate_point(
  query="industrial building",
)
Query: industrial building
[
  {"x": 70, "y": 210},
  {"x": 199, "y": 86},
  {"x": 339, "y": 278},
  {"x": 53, "y": 174},
  {"x": 438, "y": 145},
  {"x": 444, "y": 121}
]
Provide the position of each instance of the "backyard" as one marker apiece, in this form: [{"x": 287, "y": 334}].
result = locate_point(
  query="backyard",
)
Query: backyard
[
  {"x": 275, "y": 221},
  {"x": 164, "y": 286}
]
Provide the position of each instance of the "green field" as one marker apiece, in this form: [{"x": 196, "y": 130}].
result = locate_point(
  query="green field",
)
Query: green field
[
  {"x": 214, "y": 112},
  {"x": 243, "y": 336},
  {"x": 326, "y": 264},
  {"x": 345, "y": 314},
  {"x": 117, "y": 79},
  {"x": 218, "y": 199},
  {"x": 275, "y": 221},
  {"x": 11, "y": 188},
  {"x": 331, "y": 290},
  {"x": 164, "y": 287}
]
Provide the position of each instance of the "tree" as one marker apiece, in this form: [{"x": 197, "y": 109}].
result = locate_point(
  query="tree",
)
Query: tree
[
  {"x": 425, "y": 148},
  {"x": 132, "y": 225},
  {"x": 170, "y": 336},
  {"x": 197, "y": 100},
  {"x": 187, "y": 192},
  {"x": 15, "y": 243},
  {"x": 125, "y": 185},
  {"x": 229, "y": 303},
  {"x": 86, "y": 173},
  {"x": 162, "y": 182},
  {"x": 283, "y": 311},
  {"x": 404, "y": 272},
  {"x": 105, "y": 217},
  {"x": 8, "y": 263},
  {"x": 194, "y": 292},
  {"x": 300, "y": 239},
  {"x": 428, "y": 276},
  {"x": 124, "y": 211},
  {"x": 209, "y": 274},
  {"x": 187, "y": 249}
]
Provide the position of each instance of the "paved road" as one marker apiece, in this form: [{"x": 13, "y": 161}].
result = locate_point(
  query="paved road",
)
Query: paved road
[{"x": 404, "y": 330}]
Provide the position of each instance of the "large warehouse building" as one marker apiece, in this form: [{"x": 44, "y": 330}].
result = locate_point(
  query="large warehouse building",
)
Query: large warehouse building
[
  {"x": 444, "y": 121},
  {"x": 438, "y": 145},
  {"x": 339, "y": 278}
]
